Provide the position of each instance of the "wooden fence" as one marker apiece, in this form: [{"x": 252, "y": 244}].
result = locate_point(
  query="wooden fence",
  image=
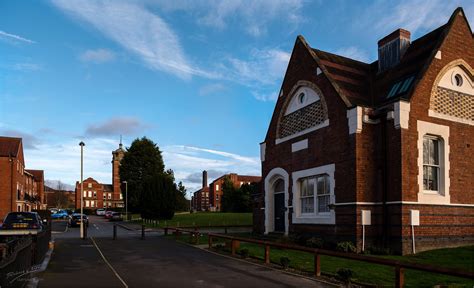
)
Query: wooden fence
[{"x": 398, "y": 266}]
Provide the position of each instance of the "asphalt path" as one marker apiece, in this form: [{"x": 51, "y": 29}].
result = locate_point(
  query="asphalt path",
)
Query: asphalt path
[{"x": 100, "y": 261}]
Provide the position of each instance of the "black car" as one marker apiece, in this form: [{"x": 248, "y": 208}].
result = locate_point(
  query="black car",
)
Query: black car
[
  {"x": 75, "y": 220},
  {"x": 22, "y": 220}
]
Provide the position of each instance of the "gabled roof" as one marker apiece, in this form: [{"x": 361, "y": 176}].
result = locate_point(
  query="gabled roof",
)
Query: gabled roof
[
  {"x": 108, "y": 187},
  {"x": 359, "y": 83},
  {"x": 38, "y": 174},
  {"x": 9, "y": 146}
]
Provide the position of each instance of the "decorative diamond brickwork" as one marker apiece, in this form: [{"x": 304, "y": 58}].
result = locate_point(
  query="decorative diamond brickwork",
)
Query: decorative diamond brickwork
[
  {"x": 453, "y": 103},
  {"x": 302, "y": 119}
]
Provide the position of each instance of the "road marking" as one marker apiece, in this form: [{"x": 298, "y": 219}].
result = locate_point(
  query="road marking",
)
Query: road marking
[
  {"x": 95, "y": 226},
  {"x": 107, "y": 262}
]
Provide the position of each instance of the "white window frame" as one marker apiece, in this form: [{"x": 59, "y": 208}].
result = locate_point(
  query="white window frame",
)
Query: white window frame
[
  {"x": 439, "y": 143},
  {"x": 313, "y": 218},
  {"x": 89, "y": 185},
  {"x": 217, "y": 187},
  {"x": 442, "y": 133}
]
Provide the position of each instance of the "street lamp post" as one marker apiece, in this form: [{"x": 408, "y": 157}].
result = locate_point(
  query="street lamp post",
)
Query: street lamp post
[
  {"x": 82, "y": 188},
  {"x": 126, "y": 199}
]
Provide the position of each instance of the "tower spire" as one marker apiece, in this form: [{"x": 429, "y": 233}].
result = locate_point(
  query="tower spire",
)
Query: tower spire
[{"x": 120, "y": 145}]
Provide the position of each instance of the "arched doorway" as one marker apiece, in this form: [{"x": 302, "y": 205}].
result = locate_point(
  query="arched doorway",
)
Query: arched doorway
[
  {"x": 279, "y": 205},
  {"x": 276, "y": 201}
]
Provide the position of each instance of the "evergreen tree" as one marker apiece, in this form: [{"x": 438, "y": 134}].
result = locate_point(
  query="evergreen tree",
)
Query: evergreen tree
[{"x": 151, "y": 189}]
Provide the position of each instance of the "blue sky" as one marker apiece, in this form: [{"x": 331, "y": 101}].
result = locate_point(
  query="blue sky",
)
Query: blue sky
[{"x": 200, "y": 78}]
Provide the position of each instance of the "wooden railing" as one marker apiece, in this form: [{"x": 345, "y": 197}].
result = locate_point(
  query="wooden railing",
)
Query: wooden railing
[{"x": 398, "y": 266}]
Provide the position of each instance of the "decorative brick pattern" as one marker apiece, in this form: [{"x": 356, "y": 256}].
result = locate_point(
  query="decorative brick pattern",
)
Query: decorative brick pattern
[
  {"x": 453, "y": 103},
  {"x": 302, "y": 119}
]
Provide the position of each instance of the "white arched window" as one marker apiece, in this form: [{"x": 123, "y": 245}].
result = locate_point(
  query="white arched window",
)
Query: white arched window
[{"x": 303, "y": 97}]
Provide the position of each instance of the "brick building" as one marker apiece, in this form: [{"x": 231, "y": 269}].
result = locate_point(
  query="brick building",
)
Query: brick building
[
  {"x": 200, "y": 198},
  {"x": 55, "y": 198},
  {"x": 215, "y": 188},
  {"x": 391, "y": 138},
  {"x": 98, "y": 195},
  {"x": 20, "y": 189},
  {"x": 209, "y": 197}
]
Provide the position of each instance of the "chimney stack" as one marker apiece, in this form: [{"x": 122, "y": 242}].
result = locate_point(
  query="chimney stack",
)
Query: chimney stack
[
  {"x": 392, "y": 47},
  {"x": 204, "y": 179}
]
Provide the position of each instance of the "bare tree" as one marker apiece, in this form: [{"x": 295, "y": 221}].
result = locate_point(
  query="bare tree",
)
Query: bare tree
[{"x": 60, "y": 196}]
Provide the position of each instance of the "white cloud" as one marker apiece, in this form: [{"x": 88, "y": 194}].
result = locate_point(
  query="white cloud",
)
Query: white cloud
[
  {"x": 29, "y": 141},
  {"x": 116, "y": 126},
  {"x": 416, "y": 16},
  {"x": 26, "y": 67},
  {"x": 353, "y": 53},
  {"x": 265, "y": 67},
  {"x": 186, "y": 161},
  {"x": 62, "y": 161},
  {"x": 97, "y": 56},
  {"x": 265, "y": 97},
  {"x": 14, "y": 37},
  {"x": 212, "y": 89},
  {"x": 253, "y": 16},
  {"x": 136, "y": 29}
]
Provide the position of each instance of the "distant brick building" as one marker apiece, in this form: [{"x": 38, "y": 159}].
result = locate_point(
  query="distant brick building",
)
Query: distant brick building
[
  {"x": 393, "y": 138},
  {"x": 59, "y": 198},
  {"x": 208, "y": 198},
  {"x": 97, "y": 195},
  {"x": 20, "y": 189},
  {"x": 215, "y": 188},
  {"x": 200, "y": 199}
]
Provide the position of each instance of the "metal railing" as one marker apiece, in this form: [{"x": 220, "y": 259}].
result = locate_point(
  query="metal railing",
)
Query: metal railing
[
  {"x": 114, "y": 237},
  {"x": 398, "y": 266}
]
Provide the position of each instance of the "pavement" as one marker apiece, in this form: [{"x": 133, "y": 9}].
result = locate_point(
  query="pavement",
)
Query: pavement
[{"x": 156, "y": 261}]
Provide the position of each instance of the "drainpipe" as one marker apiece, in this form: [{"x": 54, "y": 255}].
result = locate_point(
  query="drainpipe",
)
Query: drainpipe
[{"x": 11, "y": 183}]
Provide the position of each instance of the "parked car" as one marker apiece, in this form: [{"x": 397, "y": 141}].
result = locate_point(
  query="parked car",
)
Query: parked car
[
  {"x": 100, "y": 212},
  {"x": 53, "y": 210},
  {"x": 23, "y": 220},
  {"x": 108, "y": 214},
  {"x": 61, "y": 214},
  {"x": 116, "y": 216},
  {"x": 75, "y": 220}
]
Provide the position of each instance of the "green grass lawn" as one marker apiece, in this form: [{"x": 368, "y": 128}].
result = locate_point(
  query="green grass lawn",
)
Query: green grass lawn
[
  {"x": 202, "y": 219},
  {"x": 461, "y": 258}
]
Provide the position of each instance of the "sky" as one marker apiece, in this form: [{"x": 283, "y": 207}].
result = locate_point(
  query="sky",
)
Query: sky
[{"x": 199, "y": 78}]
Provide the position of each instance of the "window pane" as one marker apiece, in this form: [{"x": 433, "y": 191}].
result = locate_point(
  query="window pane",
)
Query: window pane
[
  {"x": 323, "y": 202},
  {"x": 434, "y": 157},
  {"x": 425, "y": 178},
  {"x": 321, "y": 185},
  {"x": 304, "y": 187},
  {"x": 425, "y": 151},
  {"x": 307, "y": 205},
  {"x": 311, "y": 186},
  {"x": 434, "y": 178}
]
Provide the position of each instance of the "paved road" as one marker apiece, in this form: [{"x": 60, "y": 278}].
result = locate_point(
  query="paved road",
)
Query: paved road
[{"x": 155, "y": 261}]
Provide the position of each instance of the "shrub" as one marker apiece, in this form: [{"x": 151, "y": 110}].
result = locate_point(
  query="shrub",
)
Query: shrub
[
  {"x": 346, "y": 246},
  {"x": 379, "y": 251},
  {"x": 314, "y": 242},
  {"x": 245, "y": 253},
  {"x": 345, "y": 274},
  {"x": 285, "y": 262}
]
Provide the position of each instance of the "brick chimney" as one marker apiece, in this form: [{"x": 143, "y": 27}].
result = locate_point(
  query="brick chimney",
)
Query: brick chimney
[
  {"x": 392, "y": 47},
  {"x": 204, "y": 179}
]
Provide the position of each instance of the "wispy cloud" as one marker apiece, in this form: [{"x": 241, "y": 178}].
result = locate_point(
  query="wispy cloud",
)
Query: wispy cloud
[
  {"x": 353, "y": 52},
  {"x": 212, "y": 89},
  {"x": 14, "y": 37},
  {"x": 265, "y": 97},
  {"x": 253, "y": 16},
  {"x": 417, "y": 16},
  {"x": 97, "y": 56},
  {"x": 26, "y": 67},
  {"x": 136, "y": 29},
  {"x": 263, "y": 67},
  {"x": 188, "y": 163},
  {"x": 29, "y": 141},
  {"x": 116, "y": 126}
]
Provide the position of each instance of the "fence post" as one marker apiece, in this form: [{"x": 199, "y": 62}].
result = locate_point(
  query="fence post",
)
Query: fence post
[
  {"x": 232, "y": 244},
  {"x": 209, "y": 240},
  {"x": 317, "y": 265},
  {"x": 115, "y": 231},
  {"x": 225, "y": 229},
  {"x": 399, "y": 277},
  {"x": 166, "y": 231},
  {"x": 143, "y": 232},
  {"x": 267, "y": 254}
]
